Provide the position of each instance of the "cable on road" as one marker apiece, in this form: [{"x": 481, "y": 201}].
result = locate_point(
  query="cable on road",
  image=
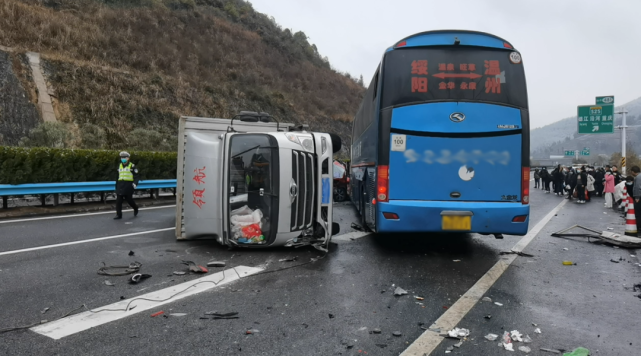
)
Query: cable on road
[{"x": 125, "y": 309}]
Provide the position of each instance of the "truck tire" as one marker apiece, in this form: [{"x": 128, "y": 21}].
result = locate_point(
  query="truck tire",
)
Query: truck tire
[{"x": 340, "y": 195}]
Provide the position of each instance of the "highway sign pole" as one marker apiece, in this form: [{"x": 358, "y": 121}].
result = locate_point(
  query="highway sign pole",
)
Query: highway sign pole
[{"x": 623, "y": 138}]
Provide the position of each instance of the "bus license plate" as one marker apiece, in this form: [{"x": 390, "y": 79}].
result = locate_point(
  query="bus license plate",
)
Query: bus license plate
[{"x": 460, "y": 223}]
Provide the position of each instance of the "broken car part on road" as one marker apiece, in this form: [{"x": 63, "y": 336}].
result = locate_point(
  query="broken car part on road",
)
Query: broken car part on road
[{"x": 603, "y": 236}]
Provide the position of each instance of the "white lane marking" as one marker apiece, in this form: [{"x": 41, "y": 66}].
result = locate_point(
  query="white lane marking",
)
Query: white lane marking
[
  {"x": 429, "y": 340},
  {"x": 86, "y": 320},
  {"x": 81, "y": 215},
  {"x": 83, "y": 241},
  {"x": 350, "y": 236}
]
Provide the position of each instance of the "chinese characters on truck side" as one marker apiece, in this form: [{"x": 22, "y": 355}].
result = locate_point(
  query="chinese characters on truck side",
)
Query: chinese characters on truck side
[
  {"x": 199, "y": 194},
  {"x": 492, "y": 71}
]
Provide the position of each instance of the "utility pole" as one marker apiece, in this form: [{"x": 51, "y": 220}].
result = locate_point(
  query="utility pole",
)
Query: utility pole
[{"x": 623, "y": 138}]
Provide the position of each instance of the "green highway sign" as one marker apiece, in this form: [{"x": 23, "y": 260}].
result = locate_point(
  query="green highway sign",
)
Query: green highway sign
[
  {"x": 569, "y": 153},
  {"x": 605, "y": 100},
  {"x": 584, "y": 152},
  {"x": 595, "y": 119}
]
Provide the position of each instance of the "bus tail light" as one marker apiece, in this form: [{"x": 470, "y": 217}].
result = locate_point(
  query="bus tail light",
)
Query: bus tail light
[
  {"x": 520, "y": 218},
  {"x": 402, "y": 44},
  {"x": 525, "y": 186},
  {"x": 382, "y": 186},
  {"x": 390, "y": 216},
  {"x": 507, "y": 45}
]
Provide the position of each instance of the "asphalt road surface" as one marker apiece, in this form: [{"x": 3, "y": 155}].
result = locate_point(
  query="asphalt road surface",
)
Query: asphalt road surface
[{"x": 333, "y": 304}]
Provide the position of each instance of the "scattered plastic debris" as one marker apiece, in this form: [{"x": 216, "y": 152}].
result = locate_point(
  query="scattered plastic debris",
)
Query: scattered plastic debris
[
  {"x": 613, "y": 260},
  {"x": 44, "y": 310},
  {"x": 487, "y": 299},
  {"x": 550, "y": 350},
  {"x": 157, "y": 313},
  {"x": 506, "y": 340},
  {"x": 535, "y": 325},
  {"x": 397, "y": 333},
  {"x": 449, "y": 348},
  {"x": 138, "y": 277},
  {"x": 215, "y": 264},
  {"x": 195, "y": 268},
  {"x": 331, "y": 316},
  {"x": 581, "y": 351},
  {"x": 120, "y": 270},
  {"x": 568, "y": 263},
  {"x": 458, "y": 344},
  {"x": 566, "y": 249},
  {"x": 419, "y": 298},
  {"x": 518, "y": 253},
  {"x": 251, "y": 332},
  {"x": 516, "y": 335},
  {"x": 109, "y": 283},
  {"x": 527, "y": 339},
  {"x": 399, "y": 291},
  {"x": 633, "y": 256},
  {"x": 217, "y": 315},
  {"x": 488, "y": 317},
  {"x": 376, "y": 331},
  {"x": 180, "y": 273},
  {"x": 178, "y": 314},
  {"x": 499, "y": 304},
  {"x": 525, "y": 349},
  {"x": 456, "y": 261},
  {"x": 537, "y": 330},
  {"x": 288, "y": 259},
  {"x": 459, "y": 333},
  {"x": 131, "y": 253}
]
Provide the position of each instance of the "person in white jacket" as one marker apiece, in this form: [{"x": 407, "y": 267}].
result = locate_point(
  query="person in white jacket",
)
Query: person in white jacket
[
  {"x": 590, "y": 185},
  {"x": 618, "y": 194}
]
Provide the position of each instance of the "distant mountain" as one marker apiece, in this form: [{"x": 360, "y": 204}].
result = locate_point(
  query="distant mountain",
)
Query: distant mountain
[{"x": 562, "y": 135}]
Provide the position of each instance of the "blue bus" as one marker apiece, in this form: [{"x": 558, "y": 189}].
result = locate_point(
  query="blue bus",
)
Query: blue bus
[{"x": 441, "y": 141}]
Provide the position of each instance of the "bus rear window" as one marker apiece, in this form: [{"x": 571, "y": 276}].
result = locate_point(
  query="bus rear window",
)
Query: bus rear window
[{"x": 417, "y": 75}]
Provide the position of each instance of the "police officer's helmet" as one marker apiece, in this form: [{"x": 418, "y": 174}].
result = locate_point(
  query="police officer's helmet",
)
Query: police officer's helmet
[{"x": 124, "y": 154}]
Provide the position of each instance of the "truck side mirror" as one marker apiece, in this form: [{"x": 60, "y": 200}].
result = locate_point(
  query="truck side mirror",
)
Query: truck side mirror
[{"x": 336, "y": 142}]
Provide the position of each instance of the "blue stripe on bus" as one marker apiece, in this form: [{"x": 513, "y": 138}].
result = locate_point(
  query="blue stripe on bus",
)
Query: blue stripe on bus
[
  {"x": 447, "y": 38},
  {"x": 435, "y": 117}
]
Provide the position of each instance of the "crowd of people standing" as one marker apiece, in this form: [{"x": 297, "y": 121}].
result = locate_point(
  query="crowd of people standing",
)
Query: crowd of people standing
[{"x": 582, "y": 184}]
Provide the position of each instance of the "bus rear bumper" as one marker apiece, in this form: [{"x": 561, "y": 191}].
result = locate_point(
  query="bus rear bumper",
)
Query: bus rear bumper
[{"x": 425, "y": 216}]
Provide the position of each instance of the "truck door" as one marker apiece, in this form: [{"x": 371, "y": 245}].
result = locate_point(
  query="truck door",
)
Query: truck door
[{"x": 251, "y": 189}]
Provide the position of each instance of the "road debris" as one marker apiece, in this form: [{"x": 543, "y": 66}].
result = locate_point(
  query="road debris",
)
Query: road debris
[
  {"x": 138, "y": 277},
  {"x": 382, "y": 346},
  {"x": 288, "y": 259},
  {"x": 458, "y": 344},
  {"x": 507, "y": 341},
  {"x": 397, "y": 333},
  {"x": 157, "y": 313},
  {"x": 355, "y": 226},
  {"x": 178, "y": 314},
  {"x": 499, "y": 304},
  {"x": 568, "y": 263},
  {"x": 516, "y": 336},
  {"x": 518, "y": 253},
  {"x": 399, "y": 291},
  {"x": 449, "y": 349},
  {"x": 331, "y": 316},
  {"x": 566, "y": 249},
  {"x": 215, "y": 264},
  {"x": 419, "y": 298},
  {"x": 491, "y": 337},
  {"x": 376, "y": 331},
  {"x": 218, "y": 316},
  {"x": 581, "y": 351},
  {"x": 44, "y": 310},
  {"x": 193, "y": 267},
  {"x": 550, "y": 350},
  {"x": 537, "y": 330},
  {"x": 613, "y": 260},
  {"x": 525, "y": 349},
  {"x": 487, "y": 299},
  {"x": 119, "y": 270},
  {"x": 456, "y": 260},
  {"x": 109, "y": 283},
  {"x": 458, "y": 333},
  {"x": 251, "y": 332},
  {"x": 527, "y": 339},
  {"x": 180, "y": 273},
  {"x": 131, "y": 253},
  {"x": 607, "y": 237},
  {"x": 488, "y": 317}
]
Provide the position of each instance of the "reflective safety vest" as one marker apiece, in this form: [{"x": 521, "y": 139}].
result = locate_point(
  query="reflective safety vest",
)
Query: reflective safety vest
[{"x": 125, "y": 173}]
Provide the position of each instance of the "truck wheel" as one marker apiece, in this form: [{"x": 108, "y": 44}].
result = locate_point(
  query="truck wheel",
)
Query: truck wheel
[{"x": 340, "y": 195}]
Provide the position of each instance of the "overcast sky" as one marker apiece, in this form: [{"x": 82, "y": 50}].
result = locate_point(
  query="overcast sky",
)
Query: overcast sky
[{"x": 573, "y": 50}]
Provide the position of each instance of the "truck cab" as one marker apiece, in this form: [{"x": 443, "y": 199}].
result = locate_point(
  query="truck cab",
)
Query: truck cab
[{"x": 251, "y": 182}]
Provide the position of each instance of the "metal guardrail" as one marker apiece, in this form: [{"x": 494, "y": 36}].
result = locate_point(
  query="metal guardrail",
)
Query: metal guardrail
[{"x": 76, "y": 187}]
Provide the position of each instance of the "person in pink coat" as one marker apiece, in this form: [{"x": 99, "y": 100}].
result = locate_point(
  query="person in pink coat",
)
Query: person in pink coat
[{"x": 609, "y": 189}]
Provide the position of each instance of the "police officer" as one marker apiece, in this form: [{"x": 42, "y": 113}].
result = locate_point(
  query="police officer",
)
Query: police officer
[{"x": 127, "y": 180}]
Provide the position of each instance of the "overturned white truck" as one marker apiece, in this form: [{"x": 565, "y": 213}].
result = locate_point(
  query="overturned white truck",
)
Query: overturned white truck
[{"x": 252, "y": 182}]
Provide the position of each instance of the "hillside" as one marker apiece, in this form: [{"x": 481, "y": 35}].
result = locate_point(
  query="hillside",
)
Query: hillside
[
  {"x": 114, "y": 67},
  {"x": 562, "y": 135}
]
